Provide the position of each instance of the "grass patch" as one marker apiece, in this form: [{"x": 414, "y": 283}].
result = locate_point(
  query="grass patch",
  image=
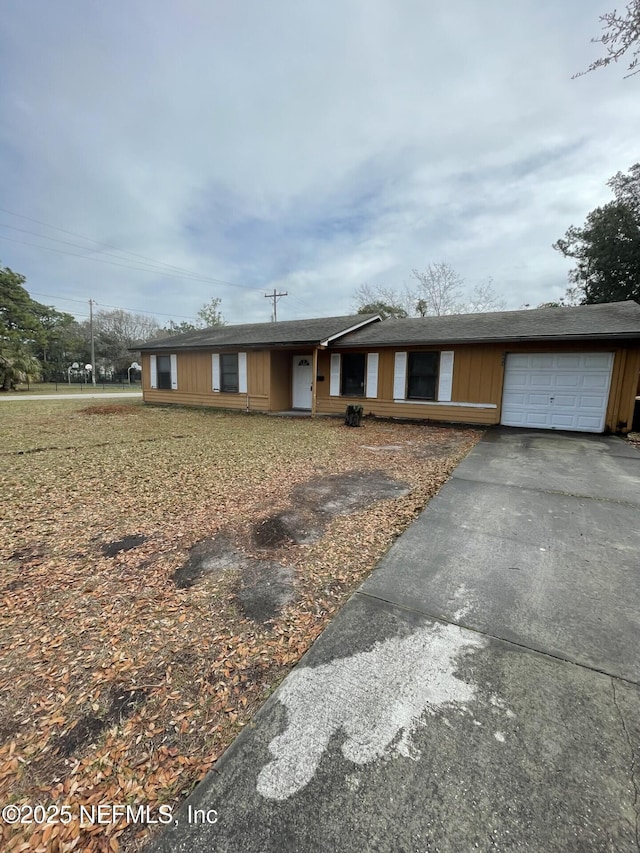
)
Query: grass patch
[{"x": 119, "y": 684}]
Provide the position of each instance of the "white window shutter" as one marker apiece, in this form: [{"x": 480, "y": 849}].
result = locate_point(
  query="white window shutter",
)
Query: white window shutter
[
  {"x": 400, "y": 376},
  {"x": 372, "y": 375},
  {"x": 242, "y": 372},
  {"x": 215, "y": 372},
  {"x": 445, "y": 381},
  {"x": 174, "y": 372},
  {"x": 154, "y": 371},
  {"x": 334, "y": 384}
]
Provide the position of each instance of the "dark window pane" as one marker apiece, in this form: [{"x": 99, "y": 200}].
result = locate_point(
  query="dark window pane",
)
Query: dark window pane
[
  {"x": 164, "y": 371},
  {"x": 229, "y": 372},
  {"x": 423, "y": 375},
  {"x": 353, "y": 375}
]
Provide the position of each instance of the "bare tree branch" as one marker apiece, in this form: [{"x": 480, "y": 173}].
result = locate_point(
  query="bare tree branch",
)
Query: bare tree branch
[{"x": 621, "y": 34}]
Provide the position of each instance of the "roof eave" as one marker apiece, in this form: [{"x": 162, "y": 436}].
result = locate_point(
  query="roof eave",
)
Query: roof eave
[{"x": 598, "y": 336}]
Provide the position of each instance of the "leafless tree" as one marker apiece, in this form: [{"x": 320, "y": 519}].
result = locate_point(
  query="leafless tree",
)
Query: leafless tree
[
  {"x": 621, "y": 33},
  {"x": 440, "y": 290},
  {"x": 115, "y": 331}
]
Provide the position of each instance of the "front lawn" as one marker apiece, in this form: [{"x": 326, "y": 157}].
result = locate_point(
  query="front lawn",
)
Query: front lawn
[{"x": 162, "y": 570}]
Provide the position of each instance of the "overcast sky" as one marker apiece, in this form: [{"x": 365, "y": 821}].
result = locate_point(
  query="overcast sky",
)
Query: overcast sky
[{"x": 306, "y": 146}]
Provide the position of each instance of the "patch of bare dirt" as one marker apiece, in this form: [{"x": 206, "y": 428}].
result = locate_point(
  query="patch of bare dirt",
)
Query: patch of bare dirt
[
  {"x": 265, "y": 588},
  {"x": 209, "y": 556},
  {"x": 127, "y": 543},
  {"x": 122, "y": 703},
  {"x": 261, "y": 588},
  {"x": 315, "y": 503}
]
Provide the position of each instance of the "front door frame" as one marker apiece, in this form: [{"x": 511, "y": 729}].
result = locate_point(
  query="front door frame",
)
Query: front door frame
[{"x": 296, "y": 398}]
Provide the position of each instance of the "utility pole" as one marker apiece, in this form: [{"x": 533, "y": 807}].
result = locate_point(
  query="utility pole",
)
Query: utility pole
[
  {"x": 93, "y": 351},
  {"x": 275, "y": 296}
]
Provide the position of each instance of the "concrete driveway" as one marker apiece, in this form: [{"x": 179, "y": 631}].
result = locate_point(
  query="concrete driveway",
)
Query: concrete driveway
[{"x": 478, "y": 692}]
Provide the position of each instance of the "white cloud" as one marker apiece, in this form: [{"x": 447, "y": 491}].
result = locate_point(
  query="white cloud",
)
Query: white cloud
[{"x": 313, "y": 146}]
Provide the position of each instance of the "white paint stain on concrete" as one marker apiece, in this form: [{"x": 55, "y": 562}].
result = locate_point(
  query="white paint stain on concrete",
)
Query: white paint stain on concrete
[
  {"x": 462, "y": 595},
  {"x": 375, "y": 698},
  {"x": 497, "y": 702},
  {"x": 499, "y": 736}
]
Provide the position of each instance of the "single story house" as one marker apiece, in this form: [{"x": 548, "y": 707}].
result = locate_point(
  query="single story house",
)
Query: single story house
[{"x": 550, "y": 368}]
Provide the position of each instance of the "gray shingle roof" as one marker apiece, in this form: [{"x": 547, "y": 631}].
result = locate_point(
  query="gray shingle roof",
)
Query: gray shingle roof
[
  {"x": 609, "y": 320},
  {"x": 250, "y": 335}
]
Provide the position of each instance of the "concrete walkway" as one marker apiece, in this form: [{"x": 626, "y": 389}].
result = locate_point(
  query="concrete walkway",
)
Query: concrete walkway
[{"x": 480, "y": 691}]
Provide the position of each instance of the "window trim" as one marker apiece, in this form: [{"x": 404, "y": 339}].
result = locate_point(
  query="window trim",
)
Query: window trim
[
  {"x": 216, "y": 372},
  {"x": 370, "y": 375},
  {"x": 163, "y": 376},
  {"x": 416, "y": 377},
  {"x": 155, "y": 373},
  {"x": 227, "y": 387},
  {"x": 444, "y": 383}
]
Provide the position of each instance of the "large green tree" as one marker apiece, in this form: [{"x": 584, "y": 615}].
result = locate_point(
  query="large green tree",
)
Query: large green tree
[
  {"x": 607, "y": 247},
  {"x": 18, "y": 330},
  {"x": 35, "y": 339}
]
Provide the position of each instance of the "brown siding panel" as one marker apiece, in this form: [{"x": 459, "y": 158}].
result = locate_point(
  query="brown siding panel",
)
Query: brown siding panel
[
  {"x": 280, "y": 373},
  {"x": 258, "y": 366},
  {"x": 478, "y": 376}
]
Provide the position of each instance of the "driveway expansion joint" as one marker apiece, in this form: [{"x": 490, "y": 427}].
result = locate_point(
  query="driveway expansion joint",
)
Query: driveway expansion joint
[
  {"x": 636, "y": 797},
  {"x": 523, "y": 646},
  {"x": 520, "y": 488}
]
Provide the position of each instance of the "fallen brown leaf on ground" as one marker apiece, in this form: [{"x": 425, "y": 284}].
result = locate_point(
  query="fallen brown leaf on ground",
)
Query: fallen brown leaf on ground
[{"x": 162, "y": 572}]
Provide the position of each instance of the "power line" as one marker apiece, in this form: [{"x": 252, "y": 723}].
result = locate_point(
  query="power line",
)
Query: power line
[
  {"x": 117, "y": 307},
  {"x": 189, "y": 273},
  {"x": 180, "y": 272},
  {"x": 145, "y": 258},
  {"x": 191, "y": 276}
]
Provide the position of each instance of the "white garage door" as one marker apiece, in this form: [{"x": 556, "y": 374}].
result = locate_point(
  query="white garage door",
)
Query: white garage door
[{"x": 557, "y": 390}]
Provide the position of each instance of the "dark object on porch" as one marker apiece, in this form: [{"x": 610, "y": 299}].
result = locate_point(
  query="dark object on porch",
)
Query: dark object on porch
[
  {"x": 636, "y": 416},
  {"x": 353, "y": 416}
]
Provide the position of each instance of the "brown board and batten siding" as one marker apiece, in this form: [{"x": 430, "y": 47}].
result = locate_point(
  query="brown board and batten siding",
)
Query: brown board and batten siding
[
  {"x": 472, "y": 383},
  {"x": 195, "y": 383},
  {"x": 478, "y": 355},
  {"x": 478, "y": 377}
]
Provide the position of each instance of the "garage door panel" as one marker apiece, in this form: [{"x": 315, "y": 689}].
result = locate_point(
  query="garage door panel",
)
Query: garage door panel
[
  {"x": 557, "y": 390},
  {"x": 559, "y": 421},
  {"x": 510, "y": 398},
  {"x": 536, "y": 419},
  {"x": 564, "y": 361},
  {"x": 539, "y": 400},
  {"x": 592, "y": 402},
  {"x": 567, "y": 380},
  {"x": 568, "y": 401},
  {"x": 598, "y": 360},
  {"x": 594, "y": 380},
  {"x": 541, "y": 380},
  {"x": 540, "y": 360}
]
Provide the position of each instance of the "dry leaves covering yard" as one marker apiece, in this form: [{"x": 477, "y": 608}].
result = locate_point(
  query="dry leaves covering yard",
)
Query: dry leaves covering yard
[{"x": 141, "y": 552}]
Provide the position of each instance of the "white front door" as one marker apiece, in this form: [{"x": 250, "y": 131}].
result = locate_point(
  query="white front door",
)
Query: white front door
[
  {"x": 302, "y": 379},
  {"x": 557, "y": 390}
]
